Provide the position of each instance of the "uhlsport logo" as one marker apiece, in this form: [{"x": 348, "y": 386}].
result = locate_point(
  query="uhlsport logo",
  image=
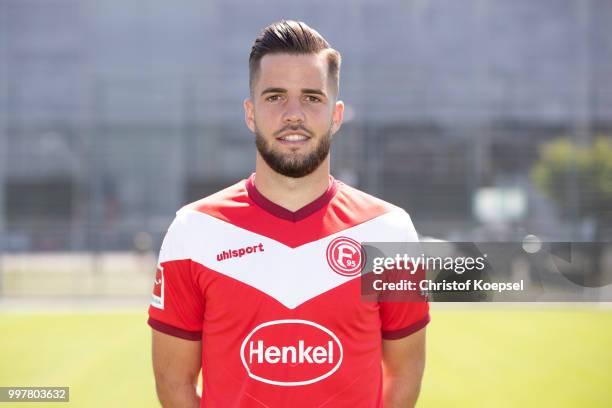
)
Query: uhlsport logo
[
  {"x": 291, "y": 352},
  {"x": 157, "y": 299},
  {"x": 240, "y": 252},
  {"x": 345, "y": 256}
]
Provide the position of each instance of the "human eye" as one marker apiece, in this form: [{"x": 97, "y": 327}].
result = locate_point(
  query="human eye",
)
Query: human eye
[
  {"x": 273, "y": 98},
  {"x": 313, "y": 98}
]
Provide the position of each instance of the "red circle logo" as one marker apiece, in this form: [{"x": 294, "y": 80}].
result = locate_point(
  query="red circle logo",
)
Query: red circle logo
[{"x": 345, "y": 256}]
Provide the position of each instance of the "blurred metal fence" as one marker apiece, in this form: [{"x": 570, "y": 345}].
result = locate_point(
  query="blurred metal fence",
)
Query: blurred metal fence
[{"x": 104, "y": 135}]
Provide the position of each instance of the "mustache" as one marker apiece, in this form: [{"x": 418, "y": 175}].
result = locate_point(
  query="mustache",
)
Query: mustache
[{"x": 293, "y": 128}]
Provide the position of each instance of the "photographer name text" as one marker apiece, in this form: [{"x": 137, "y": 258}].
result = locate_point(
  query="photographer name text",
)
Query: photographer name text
[{"x": 469, "y": 285}]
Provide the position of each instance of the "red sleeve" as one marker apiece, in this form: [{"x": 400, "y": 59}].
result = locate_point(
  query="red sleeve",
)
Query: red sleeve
[
  {"x": 401, "y": 319},
  {"x": 177, "y": 302}
]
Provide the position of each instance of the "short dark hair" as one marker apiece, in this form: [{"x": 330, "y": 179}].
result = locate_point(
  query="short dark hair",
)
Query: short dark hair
[{"x": 293, "y": 37}]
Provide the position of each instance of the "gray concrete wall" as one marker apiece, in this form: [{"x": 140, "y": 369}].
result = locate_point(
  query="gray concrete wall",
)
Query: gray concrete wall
[{"x": 145, "y": 95}]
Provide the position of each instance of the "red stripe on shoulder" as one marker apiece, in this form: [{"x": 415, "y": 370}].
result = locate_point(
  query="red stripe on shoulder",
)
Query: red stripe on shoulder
[{"x": 223, "y": 203}]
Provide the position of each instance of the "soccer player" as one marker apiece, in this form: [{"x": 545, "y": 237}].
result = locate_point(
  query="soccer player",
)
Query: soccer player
[{"x": 258, "y": 285}]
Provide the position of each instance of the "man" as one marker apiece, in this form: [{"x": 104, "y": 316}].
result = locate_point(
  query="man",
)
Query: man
[{"x": 258, "y": 285}]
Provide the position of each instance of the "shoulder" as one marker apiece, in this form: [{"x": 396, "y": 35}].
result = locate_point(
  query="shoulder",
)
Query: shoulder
[
  {"x": 230, "y": 197},
  {"x": 216, "y": 205},
  {"x": 357, "y": 204},
  {"x": 360, "y": 199}
]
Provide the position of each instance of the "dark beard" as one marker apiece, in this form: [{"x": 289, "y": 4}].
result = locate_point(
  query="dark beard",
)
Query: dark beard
[{"x": 293, "y": 167}]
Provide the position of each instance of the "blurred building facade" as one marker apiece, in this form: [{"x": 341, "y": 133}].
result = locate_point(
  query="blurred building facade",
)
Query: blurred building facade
[{"x": 115, "y": 114}]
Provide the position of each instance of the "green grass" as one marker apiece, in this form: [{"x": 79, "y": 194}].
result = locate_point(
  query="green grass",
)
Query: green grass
[
  {"x": 476, "y": 358},
  {"x": 103, "y": 358},
  {"x": 519, "y": 358}
]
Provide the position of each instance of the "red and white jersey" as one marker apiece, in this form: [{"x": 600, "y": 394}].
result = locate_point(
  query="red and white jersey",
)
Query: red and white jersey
[{"x": 275, "y": 297}]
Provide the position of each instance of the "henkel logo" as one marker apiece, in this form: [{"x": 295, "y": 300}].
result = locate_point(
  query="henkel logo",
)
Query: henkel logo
[
  {"x": 345, "y": 256},
  {"x": 291, "y": 352},
  {"x": 157, "y": 299}
]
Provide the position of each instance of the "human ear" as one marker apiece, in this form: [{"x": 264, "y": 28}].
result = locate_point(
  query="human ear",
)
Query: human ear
[
  {"x": 337, "y": 116},
  {"x": 249, "y": 114}
]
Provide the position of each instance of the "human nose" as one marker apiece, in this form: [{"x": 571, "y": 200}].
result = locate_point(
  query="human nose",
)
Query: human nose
[{"x": 293, "y": 112}]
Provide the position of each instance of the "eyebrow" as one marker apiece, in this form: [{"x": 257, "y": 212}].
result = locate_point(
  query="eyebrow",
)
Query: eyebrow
[
  {"x": 283, "y": 90},
  {"x": 273, "y": 90}
]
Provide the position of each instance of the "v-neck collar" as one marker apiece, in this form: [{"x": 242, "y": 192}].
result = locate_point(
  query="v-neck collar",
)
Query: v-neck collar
[{"x": 284, "y": 213}]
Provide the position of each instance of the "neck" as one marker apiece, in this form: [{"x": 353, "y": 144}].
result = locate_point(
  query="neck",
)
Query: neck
[{"x": 288, "y": 192}]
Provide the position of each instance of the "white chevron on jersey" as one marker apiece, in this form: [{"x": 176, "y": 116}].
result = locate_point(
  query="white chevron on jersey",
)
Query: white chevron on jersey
[{"x": 292, "y": 276}]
